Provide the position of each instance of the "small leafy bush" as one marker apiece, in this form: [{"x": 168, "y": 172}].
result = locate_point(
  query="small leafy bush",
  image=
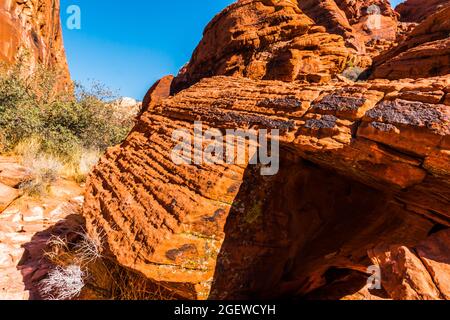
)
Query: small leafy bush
[{"x": 64, "y": 125}]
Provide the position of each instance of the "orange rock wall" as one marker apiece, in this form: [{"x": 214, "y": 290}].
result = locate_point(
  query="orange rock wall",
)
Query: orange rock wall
[
  {"x": 364, "y": 166},
  {"x": 418, "y": 10},
  {"x": 286, "y": 40},
  {"x": 32, "y": 27},
  {"x": 425, "y": 52}
]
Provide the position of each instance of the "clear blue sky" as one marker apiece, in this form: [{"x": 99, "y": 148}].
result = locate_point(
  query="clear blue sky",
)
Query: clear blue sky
[{"x": 128, "y": 45}]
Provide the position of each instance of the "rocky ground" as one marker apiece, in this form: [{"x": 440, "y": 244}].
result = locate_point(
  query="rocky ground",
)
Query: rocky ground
[{"x": 24, "y": 228}]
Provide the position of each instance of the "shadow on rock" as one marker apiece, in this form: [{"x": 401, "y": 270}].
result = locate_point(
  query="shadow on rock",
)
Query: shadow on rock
[{"x": 304, "y": 229}]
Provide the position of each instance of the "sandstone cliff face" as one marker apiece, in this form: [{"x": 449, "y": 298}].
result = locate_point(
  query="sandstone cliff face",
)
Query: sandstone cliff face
[
  {"x": 418, "y": 10},
  {"x": 357, "y": 21},
  {"x": 288, "y": 40},
  {"x": 364, "y": 168},
  {"x": 32, "y": 27},
  {"x": 425, "y": 52},
  {"x": 265, "y": 40}
]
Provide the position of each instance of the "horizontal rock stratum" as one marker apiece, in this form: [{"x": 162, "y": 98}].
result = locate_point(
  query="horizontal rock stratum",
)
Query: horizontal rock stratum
[{"x": 418, "y": 10}]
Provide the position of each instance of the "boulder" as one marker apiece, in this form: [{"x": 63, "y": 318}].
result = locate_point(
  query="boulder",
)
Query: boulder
[
  {"x": 420, "y": 273},
  {"x": 159, "y": 91},
  {"x": 11, "y": 173},
  {"x": 351, "y": 177}
]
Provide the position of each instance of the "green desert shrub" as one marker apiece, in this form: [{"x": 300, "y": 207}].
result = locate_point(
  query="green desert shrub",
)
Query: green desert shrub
[
  {"x": 353, "y": 73},
  {"x": 62, "y": 125}
]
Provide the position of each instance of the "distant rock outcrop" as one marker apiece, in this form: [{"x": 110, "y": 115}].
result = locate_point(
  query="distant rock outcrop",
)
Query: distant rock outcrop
[
  {"x": 418, "y": 10},
  {"x": 127, "y": 107},
  {"x": 425, "y": 52},
  {"x": 32, "y": 28}
]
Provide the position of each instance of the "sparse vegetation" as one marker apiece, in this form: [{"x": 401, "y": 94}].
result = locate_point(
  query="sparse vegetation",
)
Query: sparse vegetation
[
  {"x": 353, "y": 73},
  {"x": 82, "y": 271},
  {"x": 63, "y": 283},
  {"x": 43, "y": 171},
  {"x": 57, "y": 132}
]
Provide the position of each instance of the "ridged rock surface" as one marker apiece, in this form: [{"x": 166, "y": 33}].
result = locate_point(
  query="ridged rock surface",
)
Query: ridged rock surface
[
  {"x": 288, "y": 40},
  {"x": 362, "y": 165},
  {"x": 425, "y": 52},
  {"x": 418, "y": 10},
  {"x": 357, "y": 21},
  {"x": 33, "y": 28}
]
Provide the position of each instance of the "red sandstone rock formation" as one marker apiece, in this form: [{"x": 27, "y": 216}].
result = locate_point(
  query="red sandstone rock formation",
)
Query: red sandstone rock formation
[
  {"x": 378, "y": 173},
  {"x": 359, "y": 21},
  {"x": 32, "y": 27},
  {"x": 418, "y": 10},
  {"x": 420, "y": 273},
  {"x": 425, "y": 52},
  {"x": 364, "y": 169},
  {"x": 286, "y": 40},
  {"x": 159, "y": 91}
]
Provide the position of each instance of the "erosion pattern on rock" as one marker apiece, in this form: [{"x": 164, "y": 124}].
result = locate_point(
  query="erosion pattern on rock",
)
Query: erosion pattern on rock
[
  {"x": 32, "y": 27},
  {"x": 362, "y": 165},
  {"x": 425, "y": 52},
  {"x": 363, "y": 178},
  {"x": 418, "y": 10},
  {"x": 359, "y": 20},
  {"x": 288, "y": 40}
]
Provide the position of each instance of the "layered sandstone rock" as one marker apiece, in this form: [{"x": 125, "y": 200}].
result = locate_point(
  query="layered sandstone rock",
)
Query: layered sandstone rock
[
  {"x": 425, "y": 52},
  {"x": 418, "y": 10},
  {"x": 363, "y": 175},
  {"x": 361, "y": 165},
  {"x": 286, "y": 40},
  {"x": 32, "y": 29},
  {"x": 357, "y": 21}
]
